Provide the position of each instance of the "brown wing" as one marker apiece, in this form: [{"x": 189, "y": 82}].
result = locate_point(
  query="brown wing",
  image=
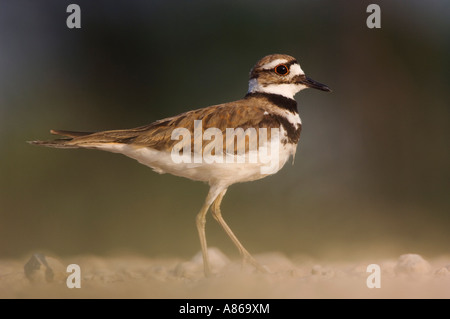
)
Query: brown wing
[
  {"x": 69, "y": 133},
  {"x": 231, "y": 115},
  {"x": 246, "y": 113}
]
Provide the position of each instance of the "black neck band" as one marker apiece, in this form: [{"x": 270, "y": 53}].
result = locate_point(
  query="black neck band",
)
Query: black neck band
[{"x": 279, "y": 100}]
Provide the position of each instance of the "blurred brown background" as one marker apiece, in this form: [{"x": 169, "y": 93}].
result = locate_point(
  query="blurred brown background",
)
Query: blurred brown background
[{"x": 371, "y": 175}]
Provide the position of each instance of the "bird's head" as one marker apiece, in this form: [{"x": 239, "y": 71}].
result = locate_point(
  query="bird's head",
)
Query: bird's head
[{"x": 280, "y": 74}]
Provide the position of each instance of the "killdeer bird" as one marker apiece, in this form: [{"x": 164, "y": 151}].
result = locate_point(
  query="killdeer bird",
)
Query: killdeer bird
[{"x": 269, "y": 104}]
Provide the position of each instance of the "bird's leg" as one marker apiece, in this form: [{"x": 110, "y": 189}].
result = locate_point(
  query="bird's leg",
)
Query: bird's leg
[
  {"x": 246, "y": 257},
  {"x": 201, "y": 222}
]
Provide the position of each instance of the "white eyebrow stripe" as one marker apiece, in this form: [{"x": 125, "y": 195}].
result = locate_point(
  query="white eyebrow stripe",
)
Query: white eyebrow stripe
[
  {"x": 273, "y": 64},
  {"x": 296, "y": 70}
]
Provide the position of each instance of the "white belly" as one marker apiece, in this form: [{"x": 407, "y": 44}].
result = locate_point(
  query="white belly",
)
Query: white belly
[{"x": 228, "y": 172}]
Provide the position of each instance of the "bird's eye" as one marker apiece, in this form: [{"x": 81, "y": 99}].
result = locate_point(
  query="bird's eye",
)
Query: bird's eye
[{"x": 281, "y": 69}]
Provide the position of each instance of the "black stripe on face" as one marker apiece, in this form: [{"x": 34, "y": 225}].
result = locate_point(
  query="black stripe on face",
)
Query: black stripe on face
[{"x": 258, "y": 71}]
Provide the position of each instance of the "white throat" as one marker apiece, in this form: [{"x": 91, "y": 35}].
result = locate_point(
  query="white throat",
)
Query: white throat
[{"x": 285, "y": 89}]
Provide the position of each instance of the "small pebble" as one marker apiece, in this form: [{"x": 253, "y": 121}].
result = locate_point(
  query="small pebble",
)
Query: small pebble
[
  {"x": 41, "y": 268},
  {"x": 275, "y": 262},
  {"x": 316, "y": 270},
  {"x": 188, "y": 270},
  {"x": 412, "y": 264},
  {"x": 194, "y": 267},
  {"x": 442, "y": 272},
  {"x": 217, "y": 259},
  {"x": 326, "y": 273}
]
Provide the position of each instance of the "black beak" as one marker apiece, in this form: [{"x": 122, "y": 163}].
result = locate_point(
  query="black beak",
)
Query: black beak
[{"x": 313, "y": 84}]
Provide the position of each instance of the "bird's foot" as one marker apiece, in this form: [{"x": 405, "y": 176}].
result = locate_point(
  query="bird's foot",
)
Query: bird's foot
[{"x": 248, "y": 259}]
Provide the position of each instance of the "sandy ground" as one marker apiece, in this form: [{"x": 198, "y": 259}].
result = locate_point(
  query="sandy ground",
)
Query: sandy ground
[{"x": 409, "y": 276}]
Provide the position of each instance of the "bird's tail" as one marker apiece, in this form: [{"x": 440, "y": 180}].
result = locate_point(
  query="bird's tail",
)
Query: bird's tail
[{"x": 61, "y": 142}]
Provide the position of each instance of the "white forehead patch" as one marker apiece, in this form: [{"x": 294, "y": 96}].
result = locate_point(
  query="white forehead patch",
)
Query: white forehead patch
[
  {"x": 273, "y": 64},
  {"x": 296, "y": 70}
]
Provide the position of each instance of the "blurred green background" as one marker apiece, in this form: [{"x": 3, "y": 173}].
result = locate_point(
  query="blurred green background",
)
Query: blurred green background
[{"x": 371, "y": 174}]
